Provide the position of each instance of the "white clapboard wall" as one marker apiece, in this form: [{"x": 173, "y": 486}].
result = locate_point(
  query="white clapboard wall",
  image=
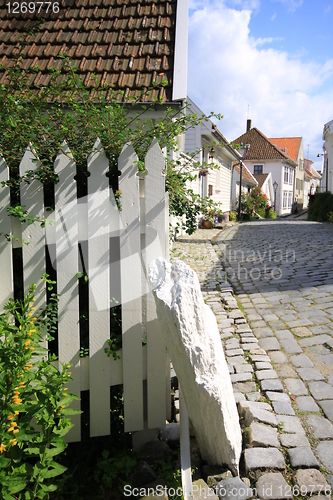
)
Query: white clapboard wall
[{"x": 121, "y": 245}]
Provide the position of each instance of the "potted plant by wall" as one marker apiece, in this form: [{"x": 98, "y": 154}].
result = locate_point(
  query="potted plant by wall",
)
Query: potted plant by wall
[{"x": 209, "y": 212}]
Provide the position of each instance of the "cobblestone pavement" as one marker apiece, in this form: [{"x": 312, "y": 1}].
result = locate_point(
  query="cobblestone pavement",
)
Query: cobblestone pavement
[{"x": 270, "y": 285}]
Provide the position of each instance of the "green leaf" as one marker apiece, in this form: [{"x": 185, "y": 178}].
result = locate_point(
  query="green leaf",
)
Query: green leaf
[
  {"x": 56, "y": 470},
  {"x": 56, "y": 450},
  {"x": 71, "y": 411},
  {"x": 63, "y": 432},
  {"x": 15, "y": 483},
  {"x": 48, "y": 487},
  {"x": 33, "y": 451},
  {"x": 4, "y": 462}
]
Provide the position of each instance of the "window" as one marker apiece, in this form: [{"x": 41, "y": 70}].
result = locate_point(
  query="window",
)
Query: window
[
  {"x": 291, "y": 176},
  {"x": 287, "y": 199},
  {"x": 290, "y": 199},
  {"x": 210, "y": 190},
  {"x": 257, "y": 169},
  {"x": 286, "y": 175}
]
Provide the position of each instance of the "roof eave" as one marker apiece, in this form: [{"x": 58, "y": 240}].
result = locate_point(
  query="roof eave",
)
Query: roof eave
[{"x": 179, "y": 88}]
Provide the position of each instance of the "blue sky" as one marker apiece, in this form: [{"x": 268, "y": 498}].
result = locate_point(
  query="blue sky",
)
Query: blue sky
[{"x": 272, "y": 59}]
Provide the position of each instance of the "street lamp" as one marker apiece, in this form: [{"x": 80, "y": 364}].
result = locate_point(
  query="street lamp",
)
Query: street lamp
[
  {"x": 243, "y": 149},
  {"x": 324, "y": 155},
  {"x": 275, "y": 186}
]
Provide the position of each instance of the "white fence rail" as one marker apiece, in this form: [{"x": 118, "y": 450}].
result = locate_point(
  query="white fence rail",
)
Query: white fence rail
[{"x": 121, "y": 244}]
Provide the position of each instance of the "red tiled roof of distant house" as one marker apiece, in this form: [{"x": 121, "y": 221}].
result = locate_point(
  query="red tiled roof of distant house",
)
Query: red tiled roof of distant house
[
  {"x": 127, "y": 44},
  {"x": 289, "y": 145},
  {"x": 261, "y": 148}
]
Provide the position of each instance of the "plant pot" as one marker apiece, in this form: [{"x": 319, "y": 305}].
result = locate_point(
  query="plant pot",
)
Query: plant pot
[{"x": 207, "y": 224}]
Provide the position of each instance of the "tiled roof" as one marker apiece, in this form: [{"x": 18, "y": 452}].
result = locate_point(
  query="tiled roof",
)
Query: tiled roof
[
  {"x": 260, "y": 178},
  {"x": 128, "y": 44},
  {"x": 289, "y": 145},
  {"x": 261, "y": 148},
  {"x": 246, "y": 174},
  {"x": 310, "y": 170}
]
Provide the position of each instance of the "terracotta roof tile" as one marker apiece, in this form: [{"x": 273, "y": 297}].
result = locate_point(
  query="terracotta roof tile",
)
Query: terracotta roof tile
[
  {"x": 289, "y": 145},
  {"x": 129, "y": 43},
  {"x": 261, "y": 148}
]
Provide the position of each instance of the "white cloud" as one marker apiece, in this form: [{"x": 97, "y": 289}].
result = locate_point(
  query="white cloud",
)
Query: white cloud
[{"x": 229, "y": 70}]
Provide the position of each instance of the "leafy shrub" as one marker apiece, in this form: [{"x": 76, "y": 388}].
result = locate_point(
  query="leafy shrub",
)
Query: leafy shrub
[
  {"x": 321, "y": 207},
  {"x": 33, "y": 406},
  {"x": 232, "y": 216},
  {"x": 270, "y": 214}
]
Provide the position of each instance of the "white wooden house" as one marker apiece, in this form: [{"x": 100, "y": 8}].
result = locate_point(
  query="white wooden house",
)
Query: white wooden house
[
  {"x": 327, "y": 178},
  {"x": 312, "y": 180},
  {"x": 248, "y": 182},
  {"x": 215, "y": 182}
]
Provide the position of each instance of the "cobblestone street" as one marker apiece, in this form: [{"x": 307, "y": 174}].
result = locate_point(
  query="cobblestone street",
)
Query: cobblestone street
[{"x": 278, "y": 340}]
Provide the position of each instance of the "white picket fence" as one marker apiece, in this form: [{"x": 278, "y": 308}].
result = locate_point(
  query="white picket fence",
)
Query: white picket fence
[{"x": 138, "y": 234}]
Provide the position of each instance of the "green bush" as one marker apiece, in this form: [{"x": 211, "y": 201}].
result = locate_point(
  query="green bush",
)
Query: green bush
[
  {"x": 33, "y": 406},
  {"x": 232, "y": 216},
  {"x": 321, "y": 207},
  {"x": 271, "y": 214}
]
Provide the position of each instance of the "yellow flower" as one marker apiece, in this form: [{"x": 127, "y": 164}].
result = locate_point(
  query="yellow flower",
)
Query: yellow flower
[
  {"x": 29, "y": 334},
  {"x": 32, "y": 348},
  {"x": 2, "y": 448},
  {"x": 10, "y": 416},
  {"x": 13, "y": 442},
  {"x": 13, "y": 424},
  {"x": 20, "y": 327},
  {"x": 27, "y": 342},
  {"x": 16, "y": 412},
  {"x": 15, "y": 431},
  {"x": 10, "y": 429}
]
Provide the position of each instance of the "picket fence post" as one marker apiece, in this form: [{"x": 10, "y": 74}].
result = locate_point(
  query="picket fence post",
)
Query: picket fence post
[
  {"x": 66, "y": 225},
  {"x": 99, "y": 290},
  {"x": 33, "y": 235},
  {"x": 158, "y": 365},
  {"x": 6, "y": 259}
]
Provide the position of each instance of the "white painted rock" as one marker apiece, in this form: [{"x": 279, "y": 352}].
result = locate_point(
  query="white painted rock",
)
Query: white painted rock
[{"x": 191, "y": 335}]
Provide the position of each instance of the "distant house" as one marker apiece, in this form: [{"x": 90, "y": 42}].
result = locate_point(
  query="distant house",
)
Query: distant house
[
  {"x": 214, "y": 183},
  {"x": 293, "y": 147},
  {"x": 327, "y": 178},
  {"x": 264, "y": 157},
  {"x": 312, "y": 180},
  {"x": 266, "y": 186},
  {"x": 248, "y": 182}
]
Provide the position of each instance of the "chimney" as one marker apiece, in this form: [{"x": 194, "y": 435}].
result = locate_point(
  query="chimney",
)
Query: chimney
[{"x": 248, "y": 125}]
